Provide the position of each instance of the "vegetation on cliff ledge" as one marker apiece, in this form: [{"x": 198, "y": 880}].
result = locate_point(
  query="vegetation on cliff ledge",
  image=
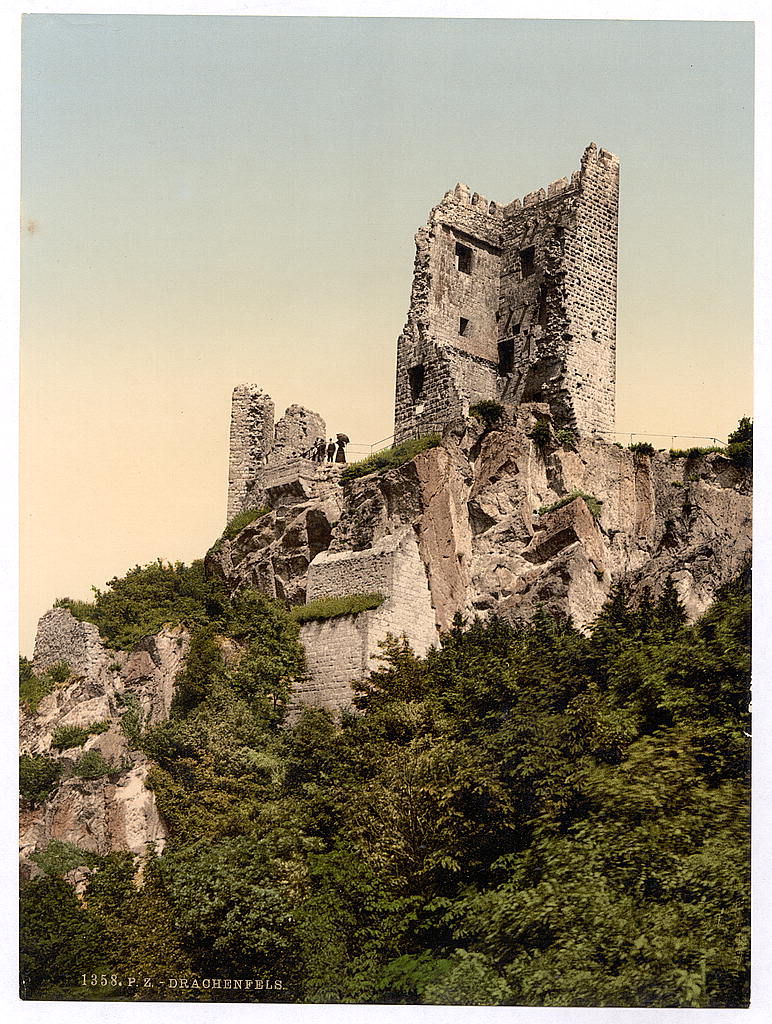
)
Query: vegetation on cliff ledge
[
  {"x": 529, "y": 816},
  {"x": 593, "y": 504},
  {"x": 332, "y": 607},
  {"x": 390, "y": 458}
]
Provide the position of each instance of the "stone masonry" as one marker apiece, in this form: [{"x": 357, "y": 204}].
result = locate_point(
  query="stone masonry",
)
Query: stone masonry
[
  {"x": 255, "y": 443},
  {"x": 347, "y": 647},
  {"x": 515, "y": 304}
]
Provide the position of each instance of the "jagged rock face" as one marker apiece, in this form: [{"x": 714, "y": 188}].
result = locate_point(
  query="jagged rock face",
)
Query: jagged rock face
[
  {"x": 116, "y": 811},
  {"x": 273, "y": 554},
  {"x": 477, "y": 504}
]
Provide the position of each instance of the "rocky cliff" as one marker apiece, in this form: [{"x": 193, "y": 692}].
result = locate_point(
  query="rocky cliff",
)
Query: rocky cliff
[
  {"x": 496, "y": 532},
  {"x": 105, "y": 690},
  {"x": 487, "y": 522}
]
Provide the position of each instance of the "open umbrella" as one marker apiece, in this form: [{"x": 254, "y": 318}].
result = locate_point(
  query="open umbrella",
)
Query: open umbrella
[{"x": 343, "y": 438}]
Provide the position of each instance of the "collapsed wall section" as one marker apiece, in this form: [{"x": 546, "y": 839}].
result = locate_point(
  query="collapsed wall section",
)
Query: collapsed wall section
[
  {"x": 446, "y": 353},
  {"x": 347, "y": 647},
  {"x": 256, "y": 442},
  {"x": 296, "y": 433}
]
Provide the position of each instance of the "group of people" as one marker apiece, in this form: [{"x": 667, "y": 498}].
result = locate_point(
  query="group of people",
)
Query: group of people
[{"x": 334, "y": 450}]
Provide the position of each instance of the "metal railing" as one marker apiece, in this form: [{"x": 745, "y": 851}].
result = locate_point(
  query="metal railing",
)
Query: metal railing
[
  {"x": 646, "y": 435},
  {"x": 362, "y": 449}
]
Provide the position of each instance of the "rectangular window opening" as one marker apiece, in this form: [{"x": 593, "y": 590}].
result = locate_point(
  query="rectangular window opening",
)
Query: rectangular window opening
[
  {"x": 506, "y": 355},
  {"x": 463, "y": 326},
  {"x": 415, "y": 375},
  {"x": 527, "y": 257},
  {"x": 463, "y": 258}
]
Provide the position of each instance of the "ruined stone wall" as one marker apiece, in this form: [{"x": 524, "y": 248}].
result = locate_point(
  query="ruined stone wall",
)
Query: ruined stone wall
[
  {"x": 296, "y": 432},
  {"x": 465, "y": 268},
  {"x": 346, "y": 648},
  {"x": 591, "y": 285},
  {"x": 251, "y": 441},
  {"x": 336, "y": 654},
  {"x": 62, "y": 637},
  {"x": 515, "y": 303},
  {"x": 533, "y": 323},
  {"x": 259, "y": 448}
]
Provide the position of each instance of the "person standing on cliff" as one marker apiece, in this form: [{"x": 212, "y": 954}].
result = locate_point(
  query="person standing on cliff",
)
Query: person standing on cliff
[
  {"x": 330, "y": 450},
  {"x": 320, "y": 450},
  {"x": 340, "y": 455}
]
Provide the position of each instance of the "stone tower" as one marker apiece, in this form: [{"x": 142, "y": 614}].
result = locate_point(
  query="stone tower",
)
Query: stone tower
[{"x": 515, "y": 303}]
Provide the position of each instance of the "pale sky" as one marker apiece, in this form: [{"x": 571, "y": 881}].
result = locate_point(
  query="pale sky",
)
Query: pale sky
[{"x": 213, "y": 201}]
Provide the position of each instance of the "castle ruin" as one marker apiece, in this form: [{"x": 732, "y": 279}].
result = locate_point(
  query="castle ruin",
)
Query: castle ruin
[
  {"x": 511, "y": 304},
  {"x": 515, "y": 304}
]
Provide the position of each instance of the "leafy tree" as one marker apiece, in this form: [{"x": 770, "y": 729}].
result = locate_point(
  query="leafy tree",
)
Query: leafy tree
[
  {"x": 147, "y": 597},
  {"x": 57, "y": 940}
]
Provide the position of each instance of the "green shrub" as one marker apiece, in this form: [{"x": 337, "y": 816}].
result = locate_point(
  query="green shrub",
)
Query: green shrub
[
  {"x": 91, "y": 765},
  {"x": 140, "y": 603},
  {"x": 695, "y": 451},
  {"x": 592, "y": 503},
  {"x": 60, "y": 672},
  {"x": 32, "y": 688},
  {"x": 739, "y": 444},
  {"x": 487, "y": 411},
  {"x": 243, "y": 519},
  {"x": 390, "y": 458},
  {"x": 65, "y": 737},
  {"x": 566, "y": 438},
  {"x": 541, "y": 434},
  {"x": 38, "y": 776},
  {"x": 331, "y": 607},
  {"x": 641, "y": 448},
  {"x": 131, "y": 719},
  {"x": 57, "y": 858}
]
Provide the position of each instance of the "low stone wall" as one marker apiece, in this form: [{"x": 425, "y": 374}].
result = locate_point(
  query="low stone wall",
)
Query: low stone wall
[{"x": 347, "y": 647}]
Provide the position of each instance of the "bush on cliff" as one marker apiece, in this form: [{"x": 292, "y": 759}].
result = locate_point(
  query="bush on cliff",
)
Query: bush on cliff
[
  {"x": 38, "y": 776},
  {"x": 593, "y": 504},
  {"x": 739, "y": 445},
  {"x": 140, "y": 603},
  {"x": 487, "y": 411},
  {"x": 65, "y": 737},
  {"x": 32, "y": 688}
]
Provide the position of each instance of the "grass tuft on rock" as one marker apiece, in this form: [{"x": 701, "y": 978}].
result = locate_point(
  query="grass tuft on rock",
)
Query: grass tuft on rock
[
  {"x": 593, "y": 504},
  {"x": 332, "y": 607},
  {"x": 390, "y": 458}
]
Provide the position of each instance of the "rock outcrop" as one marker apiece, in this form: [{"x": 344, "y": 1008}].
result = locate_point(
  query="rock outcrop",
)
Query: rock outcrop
[
  {"x": 481, "y": 508},
  {"x": 114, "y": 811}
]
